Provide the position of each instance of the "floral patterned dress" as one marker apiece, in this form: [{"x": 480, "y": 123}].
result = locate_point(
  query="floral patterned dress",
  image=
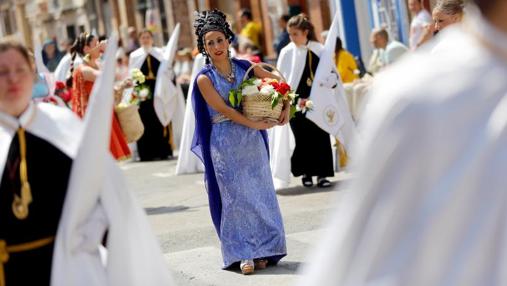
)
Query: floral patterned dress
[
  {"x": 251, "y": 224},
  {"x": 81, "y": 90}
]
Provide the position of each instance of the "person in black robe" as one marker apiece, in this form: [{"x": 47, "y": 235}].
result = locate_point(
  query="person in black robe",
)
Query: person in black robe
[
  {"x": 312, "y": 155},
  {"x": 155, "y": 143}
]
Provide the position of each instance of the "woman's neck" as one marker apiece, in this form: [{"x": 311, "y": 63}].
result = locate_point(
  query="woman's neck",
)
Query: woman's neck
[
  {"x": 92, "y": 62},
  {"x": 223, "y": 65}
]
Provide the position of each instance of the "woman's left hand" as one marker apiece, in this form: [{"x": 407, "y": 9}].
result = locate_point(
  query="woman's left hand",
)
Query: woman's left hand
[{"x": 284, "y": 116}]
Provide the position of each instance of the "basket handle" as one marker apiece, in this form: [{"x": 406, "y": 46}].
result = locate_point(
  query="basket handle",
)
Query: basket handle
[{"x": 263, "y": 64}]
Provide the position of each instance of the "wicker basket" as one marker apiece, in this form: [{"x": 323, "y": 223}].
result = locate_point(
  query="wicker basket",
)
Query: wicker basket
[
  {"x": 258, "y": 106},
  {"x": 130, "y": 122}
]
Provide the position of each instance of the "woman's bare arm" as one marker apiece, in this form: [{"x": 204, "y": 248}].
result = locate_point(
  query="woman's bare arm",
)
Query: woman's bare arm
[{"x": 214, "y": 100}]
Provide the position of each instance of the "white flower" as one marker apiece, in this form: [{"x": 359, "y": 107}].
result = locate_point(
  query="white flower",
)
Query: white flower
[
  {"x": 144, "y": 93},
  {"x": 257, "y": 82},
  {"x": 249, "y": 90},
  {"x": 267, "y": 90},
  {"x": 309, "y": 104},
  {"x": 292, "y": 95}
]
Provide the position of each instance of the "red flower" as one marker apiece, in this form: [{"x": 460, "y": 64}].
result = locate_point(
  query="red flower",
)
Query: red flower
[
  {"x": 60, "y": 85},
  {"x": 282, "y": 88}
]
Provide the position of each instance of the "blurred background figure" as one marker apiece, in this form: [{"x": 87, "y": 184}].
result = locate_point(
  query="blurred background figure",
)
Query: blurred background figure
[
  {"x": 51, "y": 56},
  {"x": 133, "y": 41},
  {"x": 122, "y": 65},
  {"x": 421, "y": 18},
  {"x": 445, "y": 13},
  {"x": 250, "y": 29},
  {"x": 390, "y": 51},
  {"x": 283, "y": 38},
  {"x": 183, "y": 68},
  {"x": 248, "y": 51},
  {"x": 345, "y": 63}
]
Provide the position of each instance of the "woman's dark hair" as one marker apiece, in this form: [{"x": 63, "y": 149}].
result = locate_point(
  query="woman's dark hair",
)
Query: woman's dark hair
[
  {"x": 14, "y": 45},
  {"x": 78, "y": 48},
  {"x": 302, "y": 23},
  {"x": 339, "y": 45},
  {"x": 208, "y": 21}
]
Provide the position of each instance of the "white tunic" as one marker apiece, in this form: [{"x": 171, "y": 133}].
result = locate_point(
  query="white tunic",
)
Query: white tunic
[{"x": 429, "y": 203}]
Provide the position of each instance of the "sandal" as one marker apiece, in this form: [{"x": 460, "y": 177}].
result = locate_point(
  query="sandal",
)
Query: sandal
[
  {"x": 323, "y": 183},
  {"x": 247, "y": 267},
  {"x": 261, "y": 263},
  {"x": 307, "y": 181}
]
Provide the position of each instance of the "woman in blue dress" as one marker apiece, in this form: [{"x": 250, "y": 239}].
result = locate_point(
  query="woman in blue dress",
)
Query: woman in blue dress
[{"x": 234, "y": 150}]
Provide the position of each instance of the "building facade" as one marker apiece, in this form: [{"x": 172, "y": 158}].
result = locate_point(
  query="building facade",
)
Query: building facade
[{"x": 38, "y": 20}]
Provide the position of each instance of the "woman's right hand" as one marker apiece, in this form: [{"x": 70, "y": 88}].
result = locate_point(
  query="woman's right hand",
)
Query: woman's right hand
[{"x": 262, "y": 124}]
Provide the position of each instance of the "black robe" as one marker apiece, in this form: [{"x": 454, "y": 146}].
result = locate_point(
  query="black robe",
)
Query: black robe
[
  {"x": 313, "y": 155},
  {"x": 154, "y": 144},
  {"x": 48, "y": 176}
]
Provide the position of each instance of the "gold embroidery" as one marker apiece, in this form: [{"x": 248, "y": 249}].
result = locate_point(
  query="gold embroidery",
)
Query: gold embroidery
[
  {"x": 309, "y": 80},
  {"x": 6, "y": 249},
  {"x": 20, "y": 203},
  {"x": 150, "y": 72}
]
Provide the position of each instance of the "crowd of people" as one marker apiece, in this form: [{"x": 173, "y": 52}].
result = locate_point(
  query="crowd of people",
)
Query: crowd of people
[{"x": 426, "y": 206}]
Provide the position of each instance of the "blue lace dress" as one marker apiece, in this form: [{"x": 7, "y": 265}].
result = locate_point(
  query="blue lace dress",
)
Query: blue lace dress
[{"x": 251, "y": 224}]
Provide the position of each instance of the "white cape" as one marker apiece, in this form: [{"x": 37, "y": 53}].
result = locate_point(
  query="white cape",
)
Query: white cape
[
  {"x": 188, "y": 162},
  {"x": 429, "y": 204}
]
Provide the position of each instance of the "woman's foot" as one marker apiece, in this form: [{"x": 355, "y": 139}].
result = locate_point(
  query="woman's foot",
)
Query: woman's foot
[
  {"x": 261, "y": 263},
  {"x": 247, "y": 266},
  {"x": 322, "y": 182},
  {"x": 307, "y": 181}
]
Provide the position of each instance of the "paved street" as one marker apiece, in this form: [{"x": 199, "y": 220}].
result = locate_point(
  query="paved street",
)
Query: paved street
[{"x": 178, "y": 210}]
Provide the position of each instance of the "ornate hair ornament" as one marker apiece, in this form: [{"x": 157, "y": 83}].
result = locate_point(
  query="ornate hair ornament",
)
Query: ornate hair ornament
[{"x": 208, "y": 21}]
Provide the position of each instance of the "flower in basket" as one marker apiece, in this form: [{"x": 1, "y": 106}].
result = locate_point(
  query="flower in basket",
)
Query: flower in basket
[
  {"x": 267, "y": 87},
  {"x": 141, "y": 90}
]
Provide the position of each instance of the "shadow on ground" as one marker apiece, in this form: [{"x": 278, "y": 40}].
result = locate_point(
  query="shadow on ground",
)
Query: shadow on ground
[
  {"x": 283, "y": 268},
  {"x": 165, "y": 210},
  {"x": 300, "y": 190}
]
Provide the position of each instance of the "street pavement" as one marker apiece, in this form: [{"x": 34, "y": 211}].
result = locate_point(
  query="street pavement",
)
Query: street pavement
[{"x": 177, "y": 208}]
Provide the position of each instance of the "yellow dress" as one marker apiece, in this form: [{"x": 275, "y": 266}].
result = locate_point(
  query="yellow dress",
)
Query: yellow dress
[{"x": 346, "y": 66}]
